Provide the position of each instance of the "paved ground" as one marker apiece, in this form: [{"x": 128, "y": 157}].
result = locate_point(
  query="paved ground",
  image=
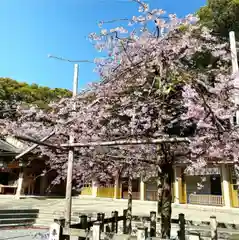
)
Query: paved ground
[
  {"x": 24, "y": 234},
  {"x": 33, "y": 234},
  {"x": 140, "y": 208},
  {"x": 143, "y": 208},
  {"x": 49, "y": 208}
]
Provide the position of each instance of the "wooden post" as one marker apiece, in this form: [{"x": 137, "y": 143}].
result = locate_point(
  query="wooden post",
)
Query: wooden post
[
  {"x": 213, "y": 225},
  {"x": 142, "y": 233},
  {"x": 100, "y": 218},
  {"x": 70, "y": 159},
  {"x": 107, "y": 228},
  {"x": 152, "y": 224},
  {"x": 114, "y": 224},
  {"x": 181, "y": 222},
  {"x": 20, "y": 183},
  {"x": 83, "y": 222},
  {"x": 125, "y": 221},
  {"x": 96, "y": 231},
  {"x": 60, "y": 221}
]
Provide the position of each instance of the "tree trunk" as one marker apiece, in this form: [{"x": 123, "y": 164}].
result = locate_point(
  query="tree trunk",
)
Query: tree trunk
[
  {"x": 129, "y": 210},
  {"x": 166, "y": 200},
  {"x": 159, "y": 190}
]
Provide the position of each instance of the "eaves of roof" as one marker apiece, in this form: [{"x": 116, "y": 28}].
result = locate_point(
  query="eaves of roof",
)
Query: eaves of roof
[{"x": 7, "y": 147}]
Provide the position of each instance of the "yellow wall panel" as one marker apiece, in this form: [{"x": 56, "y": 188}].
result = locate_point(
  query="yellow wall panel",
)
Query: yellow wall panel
[
  {"x": 233, "y": 189},
  {"x": 86, "y": 191},
  {"x": 105, "y": 192}
]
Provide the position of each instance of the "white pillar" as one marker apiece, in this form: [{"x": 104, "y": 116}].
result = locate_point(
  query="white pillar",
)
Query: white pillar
[
  {"x": 176, "y": 185},
  {"x": 142, "y": 190},
  {"x": 225, "y": 185},
  {"x": 116, "y": 188},
  {"x": 19, "y": 184},
  {"x": 94, "y": 189}
]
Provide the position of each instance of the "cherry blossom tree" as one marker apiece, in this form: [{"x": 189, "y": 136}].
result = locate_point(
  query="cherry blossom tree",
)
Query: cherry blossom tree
[
  {"x": 173, "y": 81},
  {"x": 156, "y": 71},
  {"x": 210, "y": 105}
]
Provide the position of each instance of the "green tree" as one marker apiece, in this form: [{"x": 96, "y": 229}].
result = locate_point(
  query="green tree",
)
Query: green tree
[
  {"x": 221, "y": 16},
  {"x": 12, "y": 91}
]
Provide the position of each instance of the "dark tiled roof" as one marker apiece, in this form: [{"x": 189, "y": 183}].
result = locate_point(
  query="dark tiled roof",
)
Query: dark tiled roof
[{"x": 7, "y": 147}]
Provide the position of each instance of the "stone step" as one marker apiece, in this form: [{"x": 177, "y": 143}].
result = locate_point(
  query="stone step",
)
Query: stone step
[
  {"x": 18, "y": 211},
  {"x": 17, "y": 217},
  {"x": 17, "y": 221}
]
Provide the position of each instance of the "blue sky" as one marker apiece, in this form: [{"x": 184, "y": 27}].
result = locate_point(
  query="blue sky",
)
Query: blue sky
[{"x": 32, "y": 29}]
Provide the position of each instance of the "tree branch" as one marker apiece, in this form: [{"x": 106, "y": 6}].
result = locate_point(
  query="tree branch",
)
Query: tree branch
[
  {"x": 34, "y": 146},
  {"x": 215, "y": 119}
]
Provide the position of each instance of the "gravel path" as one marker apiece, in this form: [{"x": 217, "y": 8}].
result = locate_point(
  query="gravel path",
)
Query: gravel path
[{"x": 24, "y": 234}]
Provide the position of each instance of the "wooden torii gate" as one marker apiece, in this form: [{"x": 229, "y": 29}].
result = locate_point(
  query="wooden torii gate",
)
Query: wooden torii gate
[{"x": 69, "y": 146}]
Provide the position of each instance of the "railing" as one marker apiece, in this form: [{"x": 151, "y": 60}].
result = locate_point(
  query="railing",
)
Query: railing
[
  {"x": 100, "y": 228},
  {"x": 12, "y": 186},
  {"x": 203, "y": 199},
  {"x": 135, "y": 195}
]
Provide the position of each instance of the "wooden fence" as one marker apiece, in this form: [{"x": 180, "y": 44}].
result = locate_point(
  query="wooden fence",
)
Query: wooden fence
[{"x": 108, "y": 228}]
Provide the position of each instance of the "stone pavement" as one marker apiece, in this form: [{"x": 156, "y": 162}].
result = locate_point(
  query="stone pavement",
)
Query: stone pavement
[
  {"x": 50, "y": 208},
  {"x": 24, "y": 234},
  {"x": 143, "y": 208}
]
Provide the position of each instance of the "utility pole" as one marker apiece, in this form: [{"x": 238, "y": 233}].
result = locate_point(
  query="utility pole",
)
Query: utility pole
[
  {"x": 68, "y": 202},
  {"x": 234, "y": 69},
  {"x": 71, "y": 158},
  {"x": 236, "y": 86}
]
